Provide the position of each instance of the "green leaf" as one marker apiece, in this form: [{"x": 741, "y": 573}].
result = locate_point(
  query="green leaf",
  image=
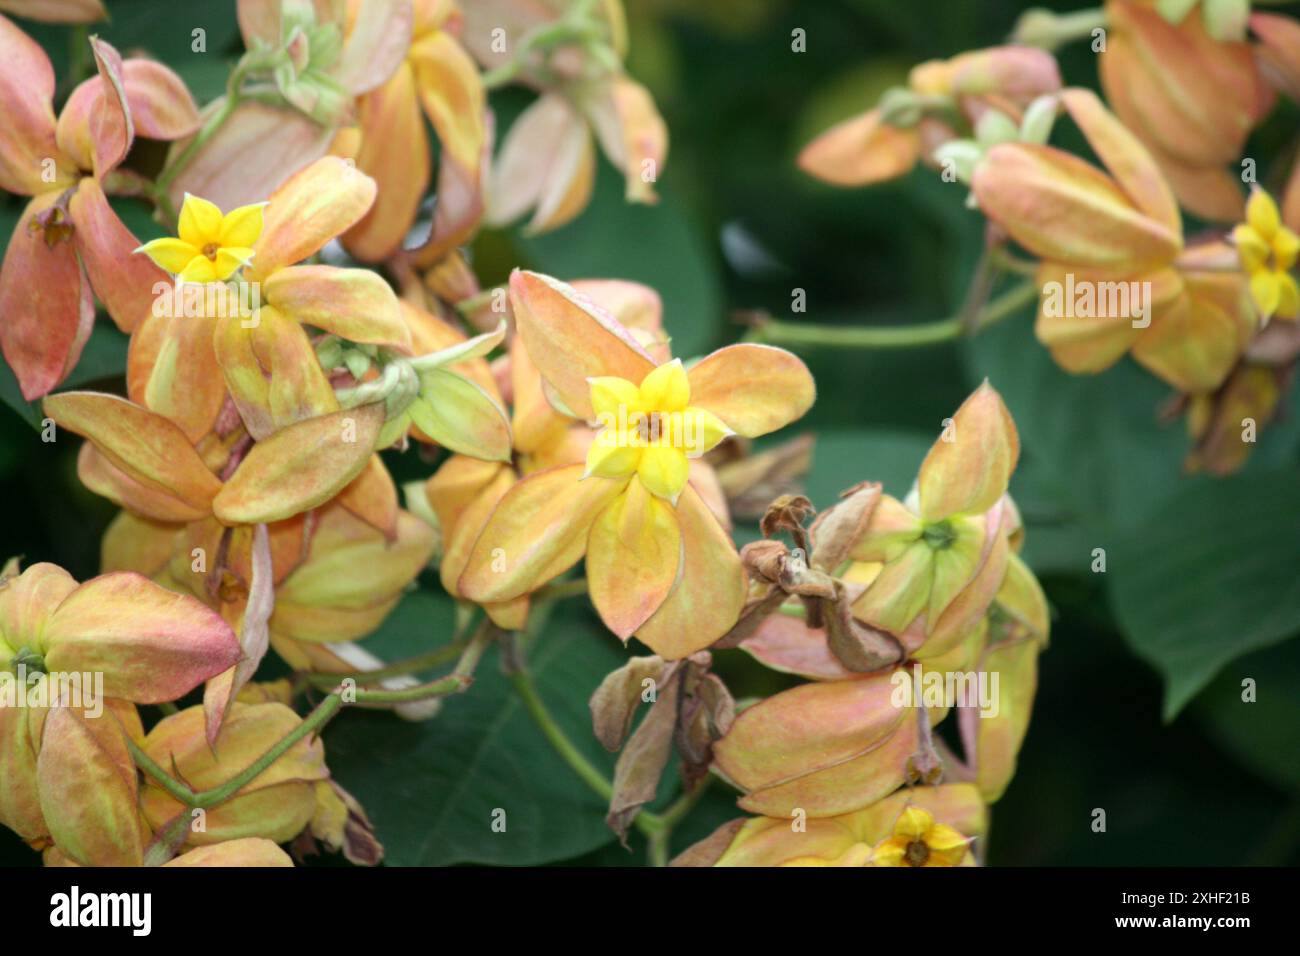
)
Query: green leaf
[
  {"x": 1096, "y": 439},
  {"x": 1056, "y": 540},
  {"x": 152, "y": 26},
  {"x": 1209, "y": 576},
  {"x": 431, "y": 788},
  {"x": 1262, "y": 733},
  {"x": 657, "y": 245},
  {"x": 842, "y": 459}
]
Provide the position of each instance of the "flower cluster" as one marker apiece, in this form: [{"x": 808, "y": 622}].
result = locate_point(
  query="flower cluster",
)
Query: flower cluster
[
  {"x": 899, "y": 613},
  {"x": 1211, "y": 313},
  {"x": 302, "y": 323}
]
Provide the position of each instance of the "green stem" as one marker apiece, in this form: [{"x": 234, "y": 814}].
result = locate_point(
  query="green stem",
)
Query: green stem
[
  {"x": 1048, "y": 30},
  {"x": 655, "y": 824},
  {"x": 411, "y": 665},
  {"x": 442, "y": 687},
  {"x": 979, "y": 290},
  {"x": 657, "y": 853},
  {"x": 561, "y": 589},
  {"x": 234, "y": 95},
  {"x": 468, "y": 306},
  {"x": 502, "y": 75},
  {"x": 313, "y": 722},
  {"x": 554, "y": 735},
  {"x": 80, "y": 63},
  {"x": 574, "y": 24},
  {"x": 796, "y": 334},
  {"x": 455, "y": 682},
  {"x": 657, "y": 827},
  {"x": 201, "y": 138},
  {"x": 861, "y": 337},
  {"x": 1014, "y": 264}
]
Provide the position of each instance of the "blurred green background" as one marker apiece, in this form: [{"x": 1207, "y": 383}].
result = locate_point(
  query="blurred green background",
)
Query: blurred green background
[{"x": 1139, "y": 708}]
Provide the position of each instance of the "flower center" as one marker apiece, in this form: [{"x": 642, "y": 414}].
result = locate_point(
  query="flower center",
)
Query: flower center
[
  {"x": 32, "y": 661},
  {"x": 650, "y": 427},
  {"x": 917, "y": 853},
  {"x": 210, "y": 250},
  {"x": 230, "y": 588},
  {"x": 939, "y": 535},
  {"x": 53, "y": 224}
]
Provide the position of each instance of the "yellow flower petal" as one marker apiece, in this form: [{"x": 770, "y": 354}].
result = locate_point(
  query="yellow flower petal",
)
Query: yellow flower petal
[
  {"x": 242, "y": 226},
  {"x": 666, "y": 389},
  {"x": 171, "y": 255},
  {"x": 608, "y": 457},
  {"x": 1251, "y": 247},
  {"x": 663, "y": 470},
  {"x": 610, "y": 394},
  {"x": 200, "y": 221},
  {"x": 1262, "y": 214},
  {"x": 857, "y": 855},
  {"x": 231, "y": 260},
  {"x": 1266, "y": 291},
  {"x": 199, "y": 269},
  {"x": 702, "y": 431},
  {"x": 890, "y": 852},
  {"x": 632, "y": 557},
  {"x": 913, "y": 823},
  {"x": 538, "y": 531},
  {"x": 947, "y": 846},
  {"x": 754, "y": 388},
  {"x": 1286, "y": 246},
  {"x": 710, "y": 590},
  {"x": 1288, "y": 303}
]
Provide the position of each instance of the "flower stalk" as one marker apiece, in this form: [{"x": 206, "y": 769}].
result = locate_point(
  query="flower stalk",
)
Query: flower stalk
[{"x": 807, "y": 335}]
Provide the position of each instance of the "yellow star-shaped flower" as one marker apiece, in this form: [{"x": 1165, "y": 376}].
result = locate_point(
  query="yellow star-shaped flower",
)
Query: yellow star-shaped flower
[
  {"x": 650, "y": 430},
  {"x": 919, "y": 841},
  {"x": 1268, "y": 251},
  {"x": 211, "y": 247}
]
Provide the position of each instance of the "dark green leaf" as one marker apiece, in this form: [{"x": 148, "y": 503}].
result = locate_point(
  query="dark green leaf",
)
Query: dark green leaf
[
  {"x": 1262, "y": 733},
  {"x": 1209, "y": 576},
  {"x": 432, "y": 788},
  {"x": 842, "y": 459},
  {"x": 1097, "y": 438}
]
